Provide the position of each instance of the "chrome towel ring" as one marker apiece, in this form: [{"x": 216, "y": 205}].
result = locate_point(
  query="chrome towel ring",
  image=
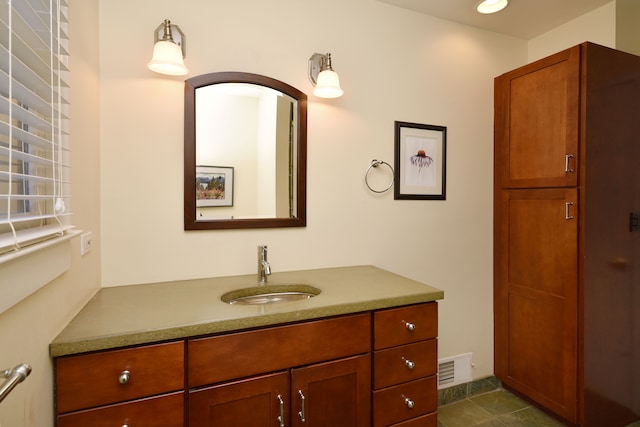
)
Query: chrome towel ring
[{"x": 374, "y": 164}]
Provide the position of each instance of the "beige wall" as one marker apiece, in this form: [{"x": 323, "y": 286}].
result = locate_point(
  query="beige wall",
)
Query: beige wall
[
  {"x": 393, "y": 64},
  {"x": 627, "y": 29},
  {"x": 28, "y": 327},
  {"x": 598, "y": 26},
  {"x": 614, "y": 25},
  {"x": 127, "y": 142}
]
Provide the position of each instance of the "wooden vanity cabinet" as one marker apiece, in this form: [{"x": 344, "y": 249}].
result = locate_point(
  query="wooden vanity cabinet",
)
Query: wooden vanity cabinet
[
  {"x": 310, "y": 374},
  {"x": 326, "y": 377},
  {"x": 566, "y": 181}
]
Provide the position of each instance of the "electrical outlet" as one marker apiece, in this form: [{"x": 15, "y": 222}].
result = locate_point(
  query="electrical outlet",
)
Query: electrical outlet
[{"x": 86, "y": 243}]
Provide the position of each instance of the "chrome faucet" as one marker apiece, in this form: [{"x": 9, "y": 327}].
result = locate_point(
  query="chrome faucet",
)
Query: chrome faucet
[{"x": 264, "y": 269}]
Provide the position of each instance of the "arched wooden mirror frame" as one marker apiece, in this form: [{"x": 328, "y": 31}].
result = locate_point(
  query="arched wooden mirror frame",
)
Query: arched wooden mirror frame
[{"x": 190, "y": 222}]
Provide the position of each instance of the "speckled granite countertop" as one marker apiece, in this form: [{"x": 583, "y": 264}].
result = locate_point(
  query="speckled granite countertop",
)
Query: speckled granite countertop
[{"x": 139, "y": 314}]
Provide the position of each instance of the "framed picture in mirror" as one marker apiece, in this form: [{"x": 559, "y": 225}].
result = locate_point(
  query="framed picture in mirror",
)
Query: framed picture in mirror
[{"x": 214, "y": 186}]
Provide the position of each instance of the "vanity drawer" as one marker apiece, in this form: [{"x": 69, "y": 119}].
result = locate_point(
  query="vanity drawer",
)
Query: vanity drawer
[
  {"x": 430, "y": 420},
  {"x": 405, "y": 325},
  {"x": 96, "y": 379},
  {"x": 390, "y": 405},
  {"x": 225, "y": 357},
  {"x": 405, "y": 363},
  {"x": 162, "y": 411}
]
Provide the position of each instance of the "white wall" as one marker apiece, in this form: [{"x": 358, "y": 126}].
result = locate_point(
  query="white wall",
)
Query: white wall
[
  {"x": 393, "y": 64},
  {"x": 27, "y": 328}
]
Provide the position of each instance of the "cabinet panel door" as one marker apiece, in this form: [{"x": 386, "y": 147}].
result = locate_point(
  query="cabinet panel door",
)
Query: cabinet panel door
[
  {"x": 254, "y": 402},
  {"x": 537, "y": 123},
  {"x": 335, "y": 394},
  {"x": 536, "y": 291}
]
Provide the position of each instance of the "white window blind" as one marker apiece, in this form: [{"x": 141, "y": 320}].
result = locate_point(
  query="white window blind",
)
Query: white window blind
[{"x": 34, "y": 122}]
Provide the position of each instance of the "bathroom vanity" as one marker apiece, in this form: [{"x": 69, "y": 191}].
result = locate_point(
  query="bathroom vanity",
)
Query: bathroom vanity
[{"x": 361, "y": 353}]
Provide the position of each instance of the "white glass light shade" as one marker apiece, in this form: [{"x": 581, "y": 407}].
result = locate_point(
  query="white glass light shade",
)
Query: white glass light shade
[
  {"x": 328, "y": 85},
  {"x": 491, "y": 6},
  {"x": 167, "y": 59}
]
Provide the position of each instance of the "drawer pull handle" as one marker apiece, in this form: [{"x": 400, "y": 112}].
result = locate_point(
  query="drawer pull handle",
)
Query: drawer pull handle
[
  {"x": 281, "y": 417},
  {"x": 567, "y": 168},
  {"x": 567, "y": 215},
  {"x": 301, "y": 413},
  {"x": 410, "y": 364},
  {"x": 410, "y": 326},
  {"x": 410, "y": 403},
  {"x": 124, "y": 377}
]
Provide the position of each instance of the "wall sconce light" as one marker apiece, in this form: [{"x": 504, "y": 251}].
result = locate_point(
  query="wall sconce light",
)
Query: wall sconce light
[
  {"x": 169, "y": 50},
  {"x": 491, "y": 6},
  {"x": 322, "y": 76}
]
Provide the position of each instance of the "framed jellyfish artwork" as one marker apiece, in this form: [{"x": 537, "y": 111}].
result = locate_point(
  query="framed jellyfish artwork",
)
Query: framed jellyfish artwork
[{"x": 420, "y": 161}]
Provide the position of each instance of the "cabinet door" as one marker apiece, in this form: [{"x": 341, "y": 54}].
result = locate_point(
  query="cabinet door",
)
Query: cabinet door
[
  {"x": 335, "y": 394},
  {"x": 537, "y": 123},
  {"x": 536, "y": 295},
  {"x": 255, "y": 402}
]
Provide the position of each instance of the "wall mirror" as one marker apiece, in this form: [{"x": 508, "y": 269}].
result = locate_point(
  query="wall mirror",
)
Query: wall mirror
[{"x": 245, "y": 152}]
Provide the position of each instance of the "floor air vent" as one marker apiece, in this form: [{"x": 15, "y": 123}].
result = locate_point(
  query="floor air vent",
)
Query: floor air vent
[{"x": 454, "y": 370}]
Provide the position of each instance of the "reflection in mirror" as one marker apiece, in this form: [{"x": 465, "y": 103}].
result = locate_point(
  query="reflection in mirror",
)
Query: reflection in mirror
[{"x": 245, "y": 152}]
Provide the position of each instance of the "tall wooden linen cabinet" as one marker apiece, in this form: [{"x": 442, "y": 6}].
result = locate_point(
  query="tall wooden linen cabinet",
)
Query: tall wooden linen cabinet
[{"x": 566, "y": 234}]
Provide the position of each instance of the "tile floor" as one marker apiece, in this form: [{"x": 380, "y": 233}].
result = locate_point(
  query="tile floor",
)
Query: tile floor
[{"x": 497, "y": 408}]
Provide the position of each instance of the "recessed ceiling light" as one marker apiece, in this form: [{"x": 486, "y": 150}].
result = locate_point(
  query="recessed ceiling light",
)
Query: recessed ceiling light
[{"x": 491, "y": 6}]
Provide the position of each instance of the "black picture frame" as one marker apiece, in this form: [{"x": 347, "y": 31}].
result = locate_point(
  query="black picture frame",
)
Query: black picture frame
[{"x": 420, "y": 161}]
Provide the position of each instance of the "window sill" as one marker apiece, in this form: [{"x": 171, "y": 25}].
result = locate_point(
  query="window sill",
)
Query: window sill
[{"x": 30, "y": 269}]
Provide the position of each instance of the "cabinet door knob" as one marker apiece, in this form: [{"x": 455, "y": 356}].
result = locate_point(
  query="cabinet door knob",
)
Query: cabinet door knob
[
  {"x": 410, "y": 403},
  {"x": 124, "y": 377},
  {"x": 410, "y": 364},
  {"x": 410, "y": 326}
]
